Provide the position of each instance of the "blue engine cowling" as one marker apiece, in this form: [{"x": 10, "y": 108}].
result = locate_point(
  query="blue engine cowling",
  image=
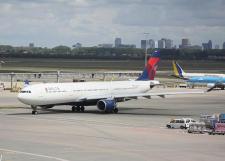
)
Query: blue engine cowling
[{"x": 106, "y": 105}]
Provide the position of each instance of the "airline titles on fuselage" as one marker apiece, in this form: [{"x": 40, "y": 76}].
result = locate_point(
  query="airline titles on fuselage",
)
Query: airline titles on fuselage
[{"x": 58, "y": 90}]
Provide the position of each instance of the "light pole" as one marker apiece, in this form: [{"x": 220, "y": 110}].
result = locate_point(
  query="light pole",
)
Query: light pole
[
  {"x": 11, "y": 80},
  {"x": 57, "y": 76},
  {"x": 1, "y": 62},
  {"x": 146, "y": 47}
]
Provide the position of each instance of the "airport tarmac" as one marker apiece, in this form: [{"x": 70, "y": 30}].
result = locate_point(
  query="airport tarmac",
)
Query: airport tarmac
[{"x": 137, "y": 132}]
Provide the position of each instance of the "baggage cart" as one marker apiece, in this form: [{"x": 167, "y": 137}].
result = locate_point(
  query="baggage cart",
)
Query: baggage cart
[
  {"x": 219, "y": 129},
  {"x": 198, "y": 127}
]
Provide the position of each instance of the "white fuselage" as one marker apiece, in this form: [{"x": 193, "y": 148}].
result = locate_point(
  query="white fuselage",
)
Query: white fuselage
[{"x": 62, "y": 93}]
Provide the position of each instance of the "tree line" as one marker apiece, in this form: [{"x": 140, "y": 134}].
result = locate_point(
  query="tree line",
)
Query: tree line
[{"x": 61, "y": 51}]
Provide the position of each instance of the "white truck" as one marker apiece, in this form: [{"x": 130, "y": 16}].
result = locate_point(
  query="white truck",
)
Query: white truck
[{"x": 182, "y": 123}]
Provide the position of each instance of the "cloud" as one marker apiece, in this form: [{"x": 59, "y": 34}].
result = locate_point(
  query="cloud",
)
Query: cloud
[
  {"x": 173, "y": 13},
  {"x": 54, "y": 22}
]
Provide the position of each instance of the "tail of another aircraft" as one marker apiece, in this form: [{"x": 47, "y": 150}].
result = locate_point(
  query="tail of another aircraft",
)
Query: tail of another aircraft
[
  {"x": 177, "y": 70},
  {"x": 151, "y": 67}
]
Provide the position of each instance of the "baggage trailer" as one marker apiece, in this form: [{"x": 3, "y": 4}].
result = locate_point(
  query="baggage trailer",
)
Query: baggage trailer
[
  {"x": 219, "y": 129},
  {"x": 222, "y": 117},
  {"x": 198, "y": 127}
]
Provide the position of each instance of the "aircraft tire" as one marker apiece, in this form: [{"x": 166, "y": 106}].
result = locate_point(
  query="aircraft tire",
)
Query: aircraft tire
[
  {"x": 78, "y": 109},
  {"x": 115, "y": 110},
  {"x": 73, "y": 108},
  {"x": 34, "y": 112},
  {"x": 182, "y": 127},
  {"x": 82, "y": 108}
]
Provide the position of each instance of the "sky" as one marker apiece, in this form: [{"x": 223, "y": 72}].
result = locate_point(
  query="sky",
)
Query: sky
[{"x": 48, "y": 23}]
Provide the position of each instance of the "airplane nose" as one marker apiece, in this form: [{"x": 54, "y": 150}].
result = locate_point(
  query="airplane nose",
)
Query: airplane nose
[{"x": 21, "y": 97}]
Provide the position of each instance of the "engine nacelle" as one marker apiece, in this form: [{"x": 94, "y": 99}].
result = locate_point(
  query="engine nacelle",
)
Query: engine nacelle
[
  {"x": 210, "y": 85},
  {"x": 106, "y": 105},
  {"x": 153, "y": 83}
]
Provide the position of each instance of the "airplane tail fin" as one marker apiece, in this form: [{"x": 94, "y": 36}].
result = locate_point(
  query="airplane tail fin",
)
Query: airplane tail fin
[
  {"x": 177, "y": 70},
  {"x": 26, "y": 83},
  {"x": 151, "y": 67}
]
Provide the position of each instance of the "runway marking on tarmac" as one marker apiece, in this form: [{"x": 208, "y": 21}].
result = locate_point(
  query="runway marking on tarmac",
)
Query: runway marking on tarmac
[{"x": 33, "y": 154}]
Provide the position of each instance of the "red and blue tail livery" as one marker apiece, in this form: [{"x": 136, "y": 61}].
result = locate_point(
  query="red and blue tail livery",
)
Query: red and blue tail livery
[{"x": 151, "y": 67}]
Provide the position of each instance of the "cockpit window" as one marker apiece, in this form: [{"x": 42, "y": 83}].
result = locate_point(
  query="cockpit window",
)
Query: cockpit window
[{"x": 25, "y": 91}]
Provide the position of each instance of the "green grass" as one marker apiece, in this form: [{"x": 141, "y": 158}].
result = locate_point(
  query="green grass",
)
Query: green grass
[{"x": 50, "y": 64}]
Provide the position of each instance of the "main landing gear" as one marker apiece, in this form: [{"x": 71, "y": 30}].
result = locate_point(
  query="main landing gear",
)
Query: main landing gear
[
  {"x": 115, "y": 110},
  {"x": 78, "y": 108},
  {"x": 34, "y": 110}
]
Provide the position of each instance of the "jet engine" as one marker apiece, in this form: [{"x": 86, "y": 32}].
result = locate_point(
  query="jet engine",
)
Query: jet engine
[
  {"x": 210, "y": 85},
  {"x": 107, "y": 105}
]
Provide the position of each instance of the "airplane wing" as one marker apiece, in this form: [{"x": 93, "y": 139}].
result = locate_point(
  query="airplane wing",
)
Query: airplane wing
[
  {"x": 217, "y": 85},
  {"x": 160, "y": 94},
  {"x": 145, "y": 95}
]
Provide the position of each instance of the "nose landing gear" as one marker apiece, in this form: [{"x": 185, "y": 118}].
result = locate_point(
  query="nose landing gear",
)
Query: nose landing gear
[{"x": 34, "y": 108}]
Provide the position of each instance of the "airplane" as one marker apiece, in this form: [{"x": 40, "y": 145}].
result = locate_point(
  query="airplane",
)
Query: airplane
[
  {"x": 212, "y": 80},
  {"x": 105, "y": 95}
]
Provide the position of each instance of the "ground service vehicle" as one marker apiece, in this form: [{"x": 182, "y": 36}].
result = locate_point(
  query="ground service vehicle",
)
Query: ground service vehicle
[
  {"x": 180, "y": 123},
  {"x": 218, "y": 125},
  {"x": 206, "y": 120},
  {"x": 219, "y": 129},
  {"x": 198, "y": 127}
]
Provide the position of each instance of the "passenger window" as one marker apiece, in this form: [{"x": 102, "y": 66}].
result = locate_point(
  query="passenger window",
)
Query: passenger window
[
  {"x": 181, "y": 121},
  {"x": 188, "y": 121}
]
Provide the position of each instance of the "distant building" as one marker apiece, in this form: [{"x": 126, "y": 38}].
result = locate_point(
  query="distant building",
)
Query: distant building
[
  {"x": 223, "y": 45},
  {"x": 168, "y": 43},
  {"x": 161, "y": 44},
  {"x": 165, "y": 43},
  {"x": 143, "y": 44},
  {"x": 118, "y": 42},
  {"x": 217, "y": 46},
  {"x": 105, "y": 45},
  {"x": 185, "y": 43},
  {"x": 77, "y": 45},
  {"x": 207, "y": 46},
  {"x": 210, "y": 44},
  {"x": 151, "y": 44},
  {"x": 31, "y": 45}
]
